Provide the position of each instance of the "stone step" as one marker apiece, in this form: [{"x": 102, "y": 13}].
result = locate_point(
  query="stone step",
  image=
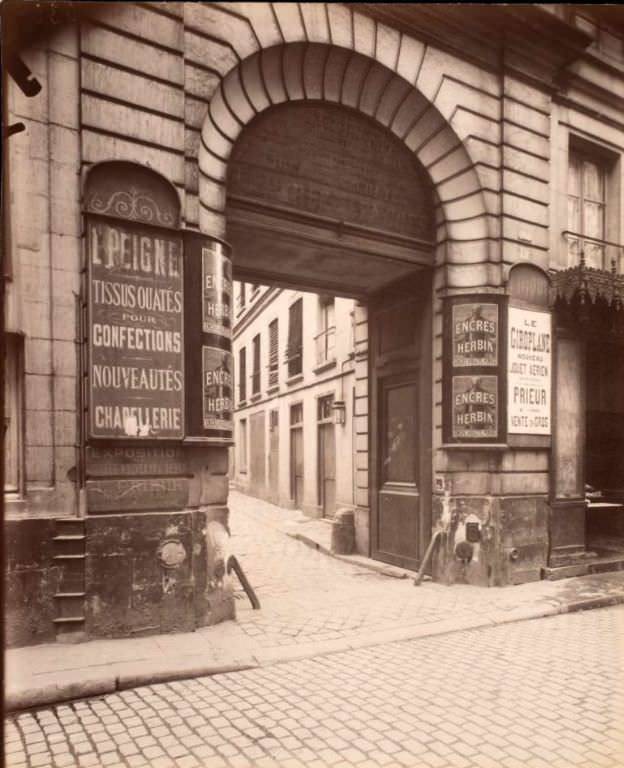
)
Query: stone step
[
  {"x": 69, "y": 526},
  {"x": 72, "y": 544},
  {"x": 69, "y": 605},
  {"x": 69, "y": 620}
]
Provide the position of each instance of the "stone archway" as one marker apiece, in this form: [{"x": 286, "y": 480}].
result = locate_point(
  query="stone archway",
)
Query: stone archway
[
  {"x": 318, "y": 72},
  {"x": 392, "y": 92}
]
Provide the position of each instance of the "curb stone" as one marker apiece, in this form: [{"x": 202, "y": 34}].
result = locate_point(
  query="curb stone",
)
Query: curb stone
[{"x": 50, "y": 694}]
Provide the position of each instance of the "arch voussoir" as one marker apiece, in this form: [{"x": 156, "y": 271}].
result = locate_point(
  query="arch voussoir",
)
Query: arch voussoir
[{"x": 301, "y": 70}]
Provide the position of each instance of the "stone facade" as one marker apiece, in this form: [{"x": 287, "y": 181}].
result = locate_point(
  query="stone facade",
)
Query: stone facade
[{"x": 172, "y": 87}]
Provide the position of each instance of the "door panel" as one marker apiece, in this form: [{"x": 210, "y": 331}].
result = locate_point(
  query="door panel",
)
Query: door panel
[
  {"x": 398, "y": 502},
  {"x": 274, "y": 457},
  {"x": 327, "y": 468},
  {"x": 296, "y": 465}
]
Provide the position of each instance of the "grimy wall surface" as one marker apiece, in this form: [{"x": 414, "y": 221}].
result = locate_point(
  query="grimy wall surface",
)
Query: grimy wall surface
[{"x": 172, "y": 86}]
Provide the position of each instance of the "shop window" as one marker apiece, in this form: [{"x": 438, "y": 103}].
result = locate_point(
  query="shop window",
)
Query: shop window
[
  {"x": 294, "y": 352},
  {"x": 273, "y": 354},
  {"x": 13, "y": 418},
  {"x": 326, "y": 338},
  {"x": 242, "y": 445},
  {"x": 242, "y": 375},
  {"x": 255, "y": 376},
  {"x": 586, "y": 209}
]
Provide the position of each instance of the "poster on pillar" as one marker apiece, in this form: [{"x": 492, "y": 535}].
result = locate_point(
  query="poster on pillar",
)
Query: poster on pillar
[
  {"x": 135, "y": 331},
  {"x": 217, "y": 289},
  {"x": 475, "y": 334},
  {"x": 529, "y": 370},
  {"x": 475, "y": 407},
  {"x": 473, "y": 402},
  {"x": 217, "y": 388},
  {"x": 208, "y": 339}
]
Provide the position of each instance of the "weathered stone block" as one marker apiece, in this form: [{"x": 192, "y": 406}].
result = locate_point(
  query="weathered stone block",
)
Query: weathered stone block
[
  {"x": 38, "y": 428},
  {"x": 64, "y": 84},
  {"x": 39, "y": 463},
  {"x": 148, "y": 574},
  {"x": 211, "y": 53},
  {"x": 65, "y": 358},
  {"x": 340, "y": 25},
  {"x": 315, "y": 22},
  {"x": 97, "y": 148},
  {"x": 142, "y": 22},
  {"x": 262, "y": 21},
  {"x": 31, "y": 581},
  {"x": 142, "y": 57},
  {"x": 211, "y": 20}
]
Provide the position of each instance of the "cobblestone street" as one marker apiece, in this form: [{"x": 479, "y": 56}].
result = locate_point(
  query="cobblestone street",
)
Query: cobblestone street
[
  {"x": 546, "y": 693},
  {"x": 309, "y": 597}
]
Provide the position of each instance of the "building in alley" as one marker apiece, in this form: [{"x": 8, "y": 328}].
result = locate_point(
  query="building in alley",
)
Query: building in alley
[
  {"x": 295, "y": 364},
  {"x": 447, "y": 180}
]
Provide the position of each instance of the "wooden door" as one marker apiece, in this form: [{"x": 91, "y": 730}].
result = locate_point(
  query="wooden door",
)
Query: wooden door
[
  {"x": 274, "y": 456},
  {"x": 327, "y": 468},
  {"x": 296, "y": 465},
  {"x": 400, "y": 422},
  {"x": 398, "y": 496}
]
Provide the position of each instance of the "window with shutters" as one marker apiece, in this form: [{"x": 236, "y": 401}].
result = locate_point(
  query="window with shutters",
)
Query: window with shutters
[
  {"x": 12, "y": 428},
  {"x": 242, "y": 375},
  {"x": 586, "y": 210},
  {"x": 273, "y": 354},
  {"x": 294, "y": 351},
  {"x": 255, "y": 375},
  {"x": 326, "y": 338}
]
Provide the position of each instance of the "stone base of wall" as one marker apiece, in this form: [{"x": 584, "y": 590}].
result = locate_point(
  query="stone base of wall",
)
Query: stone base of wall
[
  {"x": 31, "y": 581},
  {"x": 513, "y": 539},
  {"x": 154, "y": 573}
]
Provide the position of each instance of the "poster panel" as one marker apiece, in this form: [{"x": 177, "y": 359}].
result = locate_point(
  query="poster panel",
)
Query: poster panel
[
  {"x": 475, "y": 406},
  {"x": 216, "y": 289},
  {"x": 529, "y": 370},
  {"x": 135, "y": 331},
  {"x": 217, "y": 378},
  {"x": 474, "y": 335}
]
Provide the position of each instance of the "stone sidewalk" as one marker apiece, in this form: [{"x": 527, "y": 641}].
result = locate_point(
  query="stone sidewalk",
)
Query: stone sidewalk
[{"x": 311, "y": 604}]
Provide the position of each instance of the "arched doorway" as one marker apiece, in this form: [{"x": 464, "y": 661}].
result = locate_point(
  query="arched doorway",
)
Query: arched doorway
[
  {"x": 464, "y": 256},
  {"x": 321, "y": 198}
]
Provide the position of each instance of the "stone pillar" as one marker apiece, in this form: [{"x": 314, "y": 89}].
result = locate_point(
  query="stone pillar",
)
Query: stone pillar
[{"x": 158, "y": 383}]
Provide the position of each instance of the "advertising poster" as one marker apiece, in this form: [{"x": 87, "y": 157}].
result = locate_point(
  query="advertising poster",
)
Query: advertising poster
[
  {"x": 217, "y": 370},
  {"x": 474, "y": 335},
  {"x": 475, "y": 406},
  {"x": 216, "y": 289},
  {"x": 529, "y": 370},
  {"x": 135, "y": 330}
]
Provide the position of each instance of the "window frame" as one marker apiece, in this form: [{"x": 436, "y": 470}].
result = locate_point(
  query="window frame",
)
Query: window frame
[
  {"x": 609, "y": 163},
  {"x": 242, "y": 375},
  {"x": 273, "y": 354},
  {"x": 256, "y": 378},
  {"x": 295, "y": 370}
]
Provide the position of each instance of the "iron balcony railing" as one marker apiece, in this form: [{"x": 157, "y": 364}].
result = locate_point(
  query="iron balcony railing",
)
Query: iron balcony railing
[
  {"x": 598, "y": 253},
  {"x": 326, "y": 345}
]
